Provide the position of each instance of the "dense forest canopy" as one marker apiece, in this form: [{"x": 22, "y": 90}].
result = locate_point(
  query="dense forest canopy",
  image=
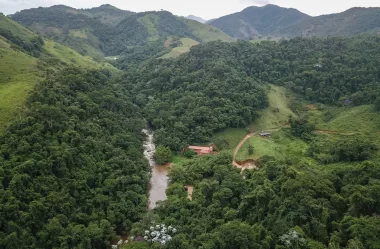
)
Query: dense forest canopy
[
  {"x": 72, "y": 171},
  {"x": 277, "y": 206},
  {"x": 219, "y": 85},
  {"x": 72, "y": 174}
]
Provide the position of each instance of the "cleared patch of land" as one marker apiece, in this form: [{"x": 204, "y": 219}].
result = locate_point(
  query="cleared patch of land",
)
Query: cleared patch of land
[
  {"x": 187, "y": 43},
  {"x": 18, "y": 75},
  {"x": 279, "y": 145},
  {"x": 278, "y": 112},
  {"x": 206, "y": 32},
  {"x": 71, "y": 57}
]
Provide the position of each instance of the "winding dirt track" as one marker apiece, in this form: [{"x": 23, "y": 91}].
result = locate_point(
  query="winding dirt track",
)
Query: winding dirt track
[{"x": 247, "y": 166}]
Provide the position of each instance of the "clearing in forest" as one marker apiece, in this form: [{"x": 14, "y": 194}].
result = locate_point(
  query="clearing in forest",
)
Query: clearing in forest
[
  {"x": 187, "y": 43},
  {"x": 278, "y": 112}
]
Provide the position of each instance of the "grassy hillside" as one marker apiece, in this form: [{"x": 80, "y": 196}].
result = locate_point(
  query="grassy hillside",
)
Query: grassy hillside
[
  {"x": 20, "y": 72},
  {"x": 278, "y": 112},
  {"x": 71, "y": 57},
  {"x": 206, "y": 33},
  {"x": 186, "y": 44},
  {"x": 18, "y": 75}
]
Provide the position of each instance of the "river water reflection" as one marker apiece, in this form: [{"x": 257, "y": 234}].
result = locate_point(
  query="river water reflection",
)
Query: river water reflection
[{"x": 159, "y": 179}]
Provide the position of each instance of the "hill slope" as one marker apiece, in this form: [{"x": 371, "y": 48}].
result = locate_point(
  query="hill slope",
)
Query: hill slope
[
  {"x": 257, "y": 21},
  {"x": 275, "y": 21},
  {"x": 196, "y": 18},
  {"x": 108, "y": 31},
  {"x": 21, "y": 67},
  {"x": 351, "y": 22}
]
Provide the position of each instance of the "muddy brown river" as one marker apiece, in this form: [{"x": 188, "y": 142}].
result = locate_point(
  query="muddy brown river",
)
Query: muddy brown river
[{"x": 159, "y": 179}]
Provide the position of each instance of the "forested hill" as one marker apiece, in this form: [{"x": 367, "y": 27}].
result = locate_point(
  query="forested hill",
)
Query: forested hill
[
  {"x": 72, "y": 173},
  {"x": 259, "y": 21},
  {"x": 26, "y": 59},
  {"x": 219, "y": 85},
  {"x": 107, "y": 31},
  {"x": 274, "y": 21},
  {"x": 351, "y": 22}
]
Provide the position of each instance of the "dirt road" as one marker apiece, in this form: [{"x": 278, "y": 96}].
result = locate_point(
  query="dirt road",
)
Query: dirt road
[{"x": 251, "y": 164}]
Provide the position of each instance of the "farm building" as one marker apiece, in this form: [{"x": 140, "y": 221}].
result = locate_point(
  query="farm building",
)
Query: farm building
[
  {"x": 264, "y": 134},
  {"x": 202, "y": 150}
]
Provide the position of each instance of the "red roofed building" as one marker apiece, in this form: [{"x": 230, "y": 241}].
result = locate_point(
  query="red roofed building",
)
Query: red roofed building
[{"x": 202, "y": 150}]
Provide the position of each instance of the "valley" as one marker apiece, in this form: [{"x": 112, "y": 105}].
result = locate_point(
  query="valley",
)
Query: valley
[{"x": 137, "y": 130}]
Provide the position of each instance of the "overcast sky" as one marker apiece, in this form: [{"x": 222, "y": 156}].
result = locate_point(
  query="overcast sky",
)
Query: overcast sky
[{"x": 204, "y": 8}]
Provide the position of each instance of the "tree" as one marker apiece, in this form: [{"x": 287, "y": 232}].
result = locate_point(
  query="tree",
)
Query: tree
[
  {"x": 377, "y": 104},
  {"x": 250, "y": 149},
  {"x": 189, "y": 153},
  {"x": 163, "y": 154}
]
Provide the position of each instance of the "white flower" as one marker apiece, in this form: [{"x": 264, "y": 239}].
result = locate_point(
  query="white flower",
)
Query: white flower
[
  {"x": 114, "y": 246},
  {"x": 146, "y": 237},
  {"x": 151, "y": 228},
  {"x": 126, "y": 242},
  {"x": 157, "y": 226},
  {"x": 120, "y": 242},
  {"x": 174, "y": 230},
  {"x": 146, "y": 232}
]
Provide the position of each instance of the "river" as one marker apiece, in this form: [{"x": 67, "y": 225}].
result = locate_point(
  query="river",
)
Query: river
[{"x": 159, "y": 180}]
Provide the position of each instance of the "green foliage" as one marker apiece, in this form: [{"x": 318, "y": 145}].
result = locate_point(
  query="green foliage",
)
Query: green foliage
[
  {"x": 343, "y": 150},
  {"x": 72, "y": 168},
  {"x": 163, "y": 155},
  {"x": 301, "y": 128},
  {"x": 189, "y": 153},
  {"x": 276, "y": 206},
  {"x": 377, "y": 104},
  {"x": 250, "y": 150}
]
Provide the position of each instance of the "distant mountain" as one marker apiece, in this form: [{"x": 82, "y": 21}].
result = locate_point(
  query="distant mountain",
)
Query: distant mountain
[
  {"x": 108, "y": 31},
  {"x": 351, "y": 22},
  {"x": 259, "y": 21},
  {"x": 196, "y": 18},
  {"x": 275, "y": 21}
]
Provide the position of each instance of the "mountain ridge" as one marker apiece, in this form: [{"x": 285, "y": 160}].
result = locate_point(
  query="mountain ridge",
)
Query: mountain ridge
[
  {"x": 97, "y": 33},
  {"x": 197, "y": 18},
  {"x": 275, "y": 21}
]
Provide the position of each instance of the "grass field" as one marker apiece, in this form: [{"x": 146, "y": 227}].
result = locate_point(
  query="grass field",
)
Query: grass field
[
  {"x": 18, "y": 75},
  {"x": 232, "y": 135},
  {"x": 150, "y": 21},
  {"x": 187, "y": 43},
  {"x": 279, "y": 145},
  {"x": 206, "y": 32},
  {"x": 361, "y": 119},
  {"x": 278, "y": 112},
  {"x": 71, "y": 57}
]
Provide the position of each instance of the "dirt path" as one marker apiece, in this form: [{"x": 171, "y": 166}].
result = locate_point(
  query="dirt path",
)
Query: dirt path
[
  {"x": 190, "y": 189},
  {"x": 251, "y": 164}
]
